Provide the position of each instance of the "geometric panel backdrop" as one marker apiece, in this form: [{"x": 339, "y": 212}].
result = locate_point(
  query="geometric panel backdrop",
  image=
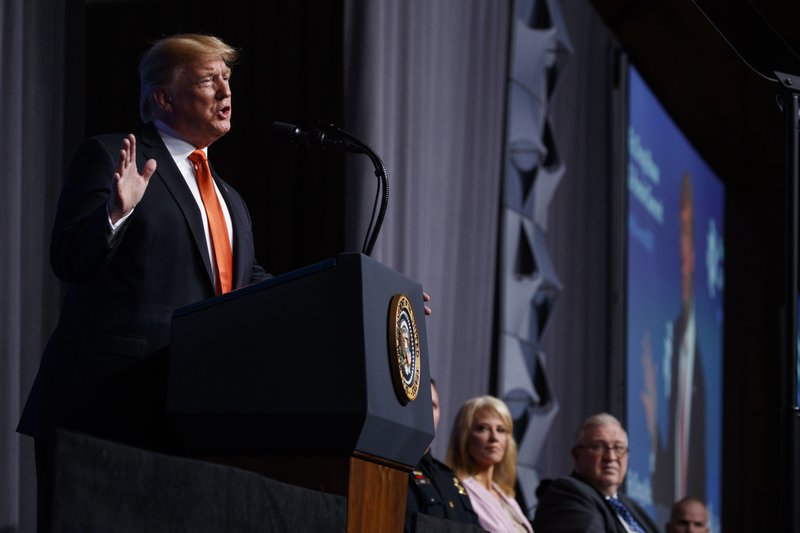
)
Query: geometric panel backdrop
[{"x": 529, "y": 285}]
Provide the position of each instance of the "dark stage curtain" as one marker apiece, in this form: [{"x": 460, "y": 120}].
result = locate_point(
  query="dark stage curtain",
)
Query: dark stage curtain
[{"x": 32, "y": 65}]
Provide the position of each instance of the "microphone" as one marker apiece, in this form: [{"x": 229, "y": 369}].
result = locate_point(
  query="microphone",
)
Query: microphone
[
  {"x": 315, "y": 138},
  {"x": 333, "y": 136}
]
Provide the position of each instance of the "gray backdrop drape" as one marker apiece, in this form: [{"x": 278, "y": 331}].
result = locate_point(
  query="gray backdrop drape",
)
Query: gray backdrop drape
[
  {"x": 31, "y": 65},
  {"x": 425, "y": 83}
]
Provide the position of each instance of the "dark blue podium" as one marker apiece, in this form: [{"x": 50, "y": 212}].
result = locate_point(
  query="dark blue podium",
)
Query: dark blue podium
[{"x": 296, "y": 377}]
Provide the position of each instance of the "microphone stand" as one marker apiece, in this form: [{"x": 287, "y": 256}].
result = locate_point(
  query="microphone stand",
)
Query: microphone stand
[
  {"x": 789, "y": 96},
  {"x": 381, "y": 200}
]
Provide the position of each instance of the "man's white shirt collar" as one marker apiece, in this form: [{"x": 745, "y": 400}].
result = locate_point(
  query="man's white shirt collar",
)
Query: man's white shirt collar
[{"x": 178, "y": 148}]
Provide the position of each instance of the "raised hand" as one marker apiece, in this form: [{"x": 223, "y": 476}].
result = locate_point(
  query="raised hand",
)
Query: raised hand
[{"x": 128, "y": 186}]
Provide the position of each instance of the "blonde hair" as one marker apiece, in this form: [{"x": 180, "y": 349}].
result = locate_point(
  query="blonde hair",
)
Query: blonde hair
[
  {"x": 163, "y": 61},
  {"x": 458, "y": 457}
]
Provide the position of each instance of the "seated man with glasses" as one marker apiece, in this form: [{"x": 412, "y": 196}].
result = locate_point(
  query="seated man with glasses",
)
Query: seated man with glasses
[{"x": 587, "y": 500}]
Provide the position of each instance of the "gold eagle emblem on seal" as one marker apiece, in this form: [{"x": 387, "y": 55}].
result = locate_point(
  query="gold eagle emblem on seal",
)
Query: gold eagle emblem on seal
[{"x": 404, "y": 350}]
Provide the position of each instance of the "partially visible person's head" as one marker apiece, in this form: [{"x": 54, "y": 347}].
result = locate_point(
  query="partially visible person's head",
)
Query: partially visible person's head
[
  {"x": 687, "y": 238},
  {"x": 482, "y": 439},
  {"x": 435, "y": 402},
  {"x": 185, "y": 83},
  {"x": 688, "y": 515},
  {"x": 601, "y": 453}
]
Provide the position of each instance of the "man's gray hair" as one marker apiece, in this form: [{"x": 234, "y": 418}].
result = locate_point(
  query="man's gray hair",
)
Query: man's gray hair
[{"x": 597, "y": 420}]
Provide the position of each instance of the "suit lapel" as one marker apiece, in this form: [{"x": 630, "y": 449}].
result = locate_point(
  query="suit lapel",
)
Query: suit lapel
[{"x": 152, "y": 147}]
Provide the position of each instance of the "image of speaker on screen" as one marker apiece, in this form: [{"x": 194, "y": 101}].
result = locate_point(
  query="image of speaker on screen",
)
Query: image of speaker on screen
[{"x": 677, "y": 459}]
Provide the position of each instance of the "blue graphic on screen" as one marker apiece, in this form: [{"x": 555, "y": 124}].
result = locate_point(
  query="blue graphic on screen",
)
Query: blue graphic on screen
[{"x": 674, "y": 314}]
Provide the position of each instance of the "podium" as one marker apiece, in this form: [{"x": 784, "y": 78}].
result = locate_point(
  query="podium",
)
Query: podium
[{"x": 318, "y": 378}]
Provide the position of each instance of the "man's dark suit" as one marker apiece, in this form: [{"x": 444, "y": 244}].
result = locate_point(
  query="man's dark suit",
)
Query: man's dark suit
[
  {"x": 570, "y": 504},
  {"x": 123, "y": 292},
  {"x": 662, "y": 478}
]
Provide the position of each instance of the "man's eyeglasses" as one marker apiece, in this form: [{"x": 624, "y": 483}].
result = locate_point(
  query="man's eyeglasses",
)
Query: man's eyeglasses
[{"x": 600, "y": 448}]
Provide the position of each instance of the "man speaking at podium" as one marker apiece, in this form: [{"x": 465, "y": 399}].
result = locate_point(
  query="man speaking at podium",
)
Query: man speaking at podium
[{"x": 143, "y": 227}]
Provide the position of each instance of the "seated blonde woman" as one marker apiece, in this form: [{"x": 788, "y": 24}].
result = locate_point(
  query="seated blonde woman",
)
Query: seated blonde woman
[{"x": 483, "y": 454}]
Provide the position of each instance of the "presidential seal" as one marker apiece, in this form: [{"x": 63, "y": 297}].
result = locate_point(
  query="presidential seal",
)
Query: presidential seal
[{"x": 404, "y": 352}]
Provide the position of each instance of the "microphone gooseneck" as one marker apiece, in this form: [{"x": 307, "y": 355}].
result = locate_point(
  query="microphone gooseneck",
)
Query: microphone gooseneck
[{"x": 330, "y": 136}]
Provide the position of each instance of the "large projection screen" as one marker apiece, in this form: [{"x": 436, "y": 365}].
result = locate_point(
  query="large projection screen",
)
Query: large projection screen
[{"x": 674, "y": 313}]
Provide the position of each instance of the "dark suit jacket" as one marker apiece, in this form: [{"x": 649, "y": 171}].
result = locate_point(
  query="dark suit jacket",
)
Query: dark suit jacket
[
  {"x": 663, "y": 475},
  {"x": 570, "y": 504},
  {"x": 122, "y": 292},
  {"x": 433, "y": 489}
]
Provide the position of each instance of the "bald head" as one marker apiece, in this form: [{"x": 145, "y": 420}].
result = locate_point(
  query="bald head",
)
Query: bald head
[{"x": 688, "y": 515}]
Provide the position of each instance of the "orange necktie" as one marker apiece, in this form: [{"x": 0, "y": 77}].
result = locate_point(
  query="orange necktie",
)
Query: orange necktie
[{"x": 220, "y": 243}]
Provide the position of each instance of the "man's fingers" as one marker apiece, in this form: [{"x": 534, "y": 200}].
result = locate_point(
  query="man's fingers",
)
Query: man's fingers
[
  {"x": 127, "y": 153},
  {"x": 132, "y": 148},
  {"x": 149, "y": 168}
]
